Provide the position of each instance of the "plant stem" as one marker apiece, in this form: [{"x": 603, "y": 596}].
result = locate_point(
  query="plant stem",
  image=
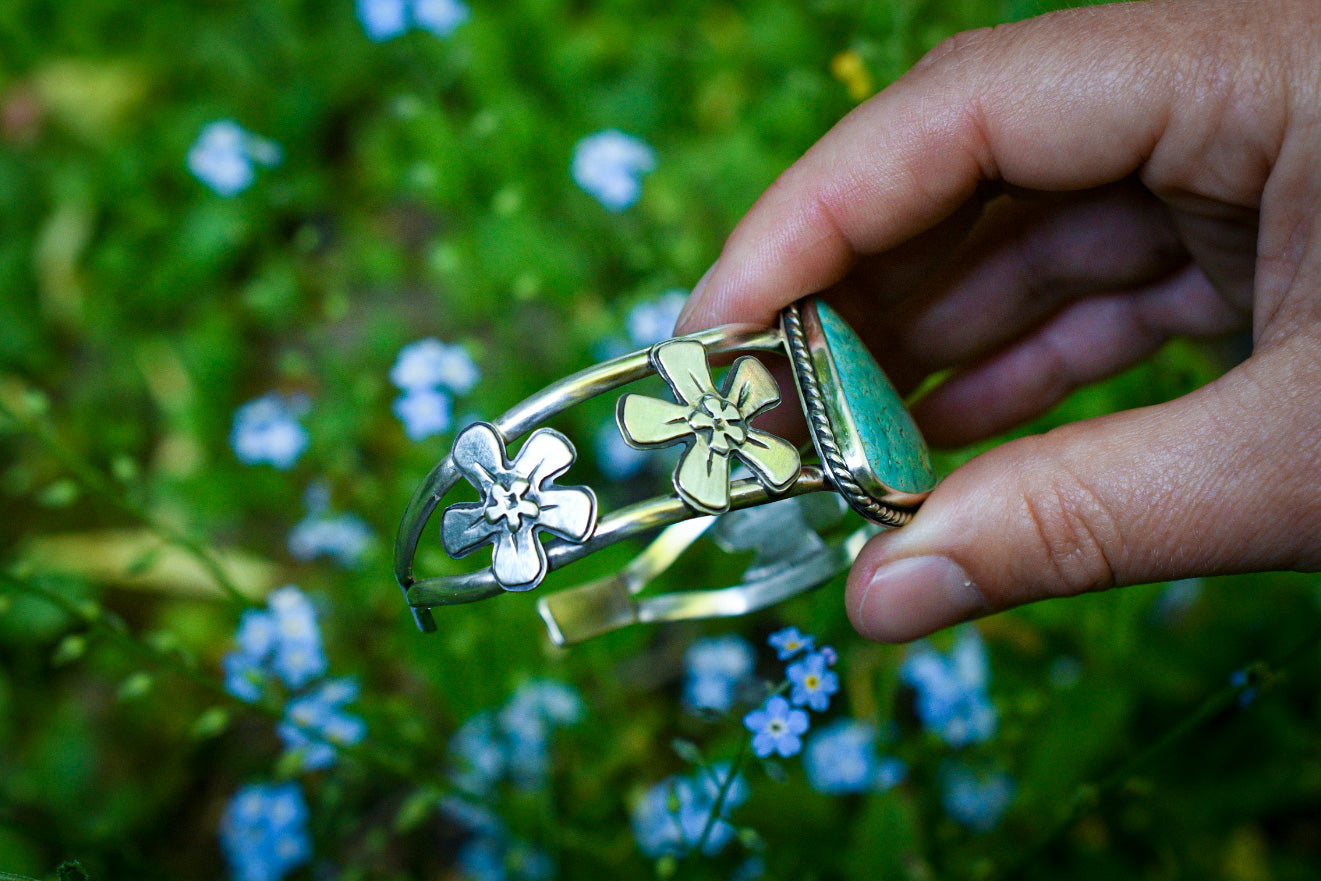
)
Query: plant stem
[
  {"x": 1262, "y": 675},
  {"x": 718, "y": 806},
  {"x": 95, "y": 483}
]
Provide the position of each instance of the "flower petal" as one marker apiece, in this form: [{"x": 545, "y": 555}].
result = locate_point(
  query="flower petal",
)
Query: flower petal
[
  {"x": 520, "y": 561},
  {"x": 750, "y": 387},
  {"x": 774, "y": 461},
  {"x": 702, "y": 478},
  {"x": 464, "y": 528},
  {"x": 479, "y": 453},
  {"x": 647, "y": 422},
  {"x": 568, "y": 511},
  {"x": 683, "y": 365},
  {"x": 545, "y": 455}
]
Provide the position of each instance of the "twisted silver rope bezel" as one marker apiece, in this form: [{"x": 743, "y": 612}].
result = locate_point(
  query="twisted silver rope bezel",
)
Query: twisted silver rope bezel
[{"x": 823, "y": 435}]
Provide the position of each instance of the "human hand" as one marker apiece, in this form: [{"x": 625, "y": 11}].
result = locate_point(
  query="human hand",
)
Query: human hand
[{"x": 1038, "y": 206}]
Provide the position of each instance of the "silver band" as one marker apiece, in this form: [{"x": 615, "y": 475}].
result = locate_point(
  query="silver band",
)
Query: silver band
[{"x": 520, "y": 498}]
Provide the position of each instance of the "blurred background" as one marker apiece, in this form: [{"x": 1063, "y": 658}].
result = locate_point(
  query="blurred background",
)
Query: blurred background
[{"x": 260, "y": 259}]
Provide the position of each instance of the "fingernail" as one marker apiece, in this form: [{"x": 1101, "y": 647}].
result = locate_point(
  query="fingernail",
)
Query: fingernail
[
  {"x": 915, "y": 596},
  {"x": 687, "y": 311}
]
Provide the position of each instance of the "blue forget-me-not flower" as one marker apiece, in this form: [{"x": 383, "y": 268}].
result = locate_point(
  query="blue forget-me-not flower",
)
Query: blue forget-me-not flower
[
  {"x": 428, "y": 372},
  {"x": 670, "y": 818},
  {"x": 789, "y": 642},
  {"x": 225, "y": 156},
  {"x": 282, "y": 640},
  {"x": 842, "y": 759},
  {"x": 315, "y": 723},
  {"x": 952, "y": 696},
  {"x": 715, "y": 670},
  {"x": 610, "y": 165},
  {"x": 813, "y": 684},
  {"x": 267, "y": 430},
  {"x": 975, "y": 800},
  {"x": 776, "y": 728},
  {"x": 387, "y": 19},
  {"x": 343, "y": 537},
  {"x": 512, "y": 743},
  {"x": 423, "y": 412},
  {"x": 264, "y": 832},
  {"x": 429, "y": 363},
  {"x": 651, "y": 321}
]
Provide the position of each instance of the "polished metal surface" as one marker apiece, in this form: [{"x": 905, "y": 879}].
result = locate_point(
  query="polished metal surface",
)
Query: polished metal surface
[{"x": 771, "y": 513}]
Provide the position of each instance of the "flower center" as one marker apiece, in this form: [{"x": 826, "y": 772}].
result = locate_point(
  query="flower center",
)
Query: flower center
[
  {"x": 777, "y": 726},
  {"x": 812, "y": 682},
  {"x": 720, "y": 421},
  {"x": 510, "y": 503}
]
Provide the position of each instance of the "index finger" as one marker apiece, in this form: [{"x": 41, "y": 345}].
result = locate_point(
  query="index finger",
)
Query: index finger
[{"x": 1071, "y": 100}]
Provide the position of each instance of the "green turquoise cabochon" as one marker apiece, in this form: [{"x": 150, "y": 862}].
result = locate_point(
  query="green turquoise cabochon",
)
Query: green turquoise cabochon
[{"x": 891, "y": 443}]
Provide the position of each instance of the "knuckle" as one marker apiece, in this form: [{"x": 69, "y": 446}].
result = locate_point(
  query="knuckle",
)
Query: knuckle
[
  {"x": 1078, "y": 537},
  {"x": 957, "y": 49}
]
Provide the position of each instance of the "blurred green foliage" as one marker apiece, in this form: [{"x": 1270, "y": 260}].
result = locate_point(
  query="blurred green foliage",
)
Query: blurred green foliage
[{"x": 425, "y": 191}]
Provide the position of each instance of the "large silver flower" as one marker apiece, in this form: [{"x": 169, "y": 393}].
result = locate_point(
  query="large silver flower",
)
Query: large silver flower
[
  {"x": 715, "y": 424},
  {"x": 519, "y": 500}
]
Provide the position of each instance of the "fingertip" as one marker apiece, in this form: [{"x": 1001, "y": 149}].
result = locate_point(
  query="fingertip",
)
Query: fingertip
[{"x": 905, "y": 599}]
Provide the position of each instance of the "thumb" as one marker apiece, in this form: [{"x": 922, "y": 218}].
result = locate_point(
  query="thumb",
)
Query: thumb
[{"x": 1217, "y": 481}]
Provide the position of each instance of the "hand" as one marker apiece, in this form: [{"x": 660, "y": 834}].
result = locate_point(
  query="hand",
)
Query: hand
[{"x": 1040, "y": 205}]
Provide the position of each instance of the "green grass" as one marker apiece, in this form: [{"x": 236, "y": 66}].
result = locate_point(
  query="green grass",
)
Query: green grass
[{"x": 425, "y": 191}]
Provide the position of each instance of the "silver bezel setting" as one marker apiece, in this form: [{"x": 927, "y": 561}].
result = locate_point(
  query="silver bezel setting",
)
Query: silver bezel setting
[{"x": 832, "y": 425}]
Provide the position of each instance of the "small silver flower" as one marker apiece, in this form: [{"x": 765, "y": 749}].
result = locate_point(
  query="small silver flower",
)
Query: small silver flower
[
  {"x": 519, "y": 500},
  {"x": 714, "y": 424}
]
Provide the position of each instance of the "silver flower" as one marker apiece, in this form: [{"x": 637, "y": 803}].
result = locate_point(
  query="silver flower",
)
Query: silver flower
[
  {"x": 519, "y": 500},
  {"x": 714, "y": 424}
]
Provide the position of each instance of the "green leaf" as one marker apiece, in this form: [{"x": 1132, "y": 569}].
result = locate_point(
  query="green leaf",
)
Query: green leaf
[
  {"x": 72, "y": 870},
  {"x": 70, "y": 649},
  {"x": 211, "y": 723},
  {"x": 60, "y": 494},
  {"x": 136, "y": 686},
  {"x": 687, "y": 750},
  {"x": 417, "y": 807}
]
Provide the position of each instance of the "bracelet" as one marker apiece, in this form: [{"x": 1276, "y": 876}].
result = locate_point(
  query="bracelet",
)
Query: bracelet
[{"x": 870, "y": 454}]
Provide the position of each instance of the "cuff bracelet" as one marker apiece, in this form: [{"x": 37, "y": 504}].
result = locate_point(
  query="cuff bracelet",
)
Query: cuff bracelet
[{"x": 869, "y": 454}]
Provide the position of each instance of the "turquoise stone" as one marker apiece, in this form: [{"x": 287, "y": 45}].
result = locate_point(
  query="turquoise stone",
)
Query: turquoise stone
[{"x": 894, "y": 448}]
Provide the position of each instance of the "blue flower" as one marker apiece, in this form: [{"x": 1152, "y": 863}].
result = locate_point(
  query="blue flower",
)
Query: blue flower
[
  {"x": 245, "y": 677},
  {"x": 527, "y": 722},
  {"x": 776, "y": 728},
  {"x": 315, "y": 723},
  {"x": 343, "y": 537},
  {"x": 976, "y": 801},
  {"x": 1243, "y": 680},
  {"x": 789, "y": 642},
  {"x": 952, "y": 696},
  {"x": 281, "y": 640},
  {"x": 224, "y": 155},
  {"x": 440, "y": 17},
  {"x": 653, "y": 320},
  {"x": 264, "y": 832},
  {"x": 610, "y": 165},
  {"x": 383, "y": 19},
  {"x": 423, "y": 412},
  {"x": 299, "y": 657},
  {"x": 670, "y": 818},
  {"x": 503, "y": 858},
  {"x": 616, "y": 459},
  {"x": 386, "y": 19},
  {"x": 715, "y": 668},
  {"x": 812, "y": 683},
  {"x": 267, "y": 430},
  {"x": 842, "y": 759},
  {"x": 430, "y": 364},
  {"x": 477, "y": 755},
  {"x": 514, "y": 742}
]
